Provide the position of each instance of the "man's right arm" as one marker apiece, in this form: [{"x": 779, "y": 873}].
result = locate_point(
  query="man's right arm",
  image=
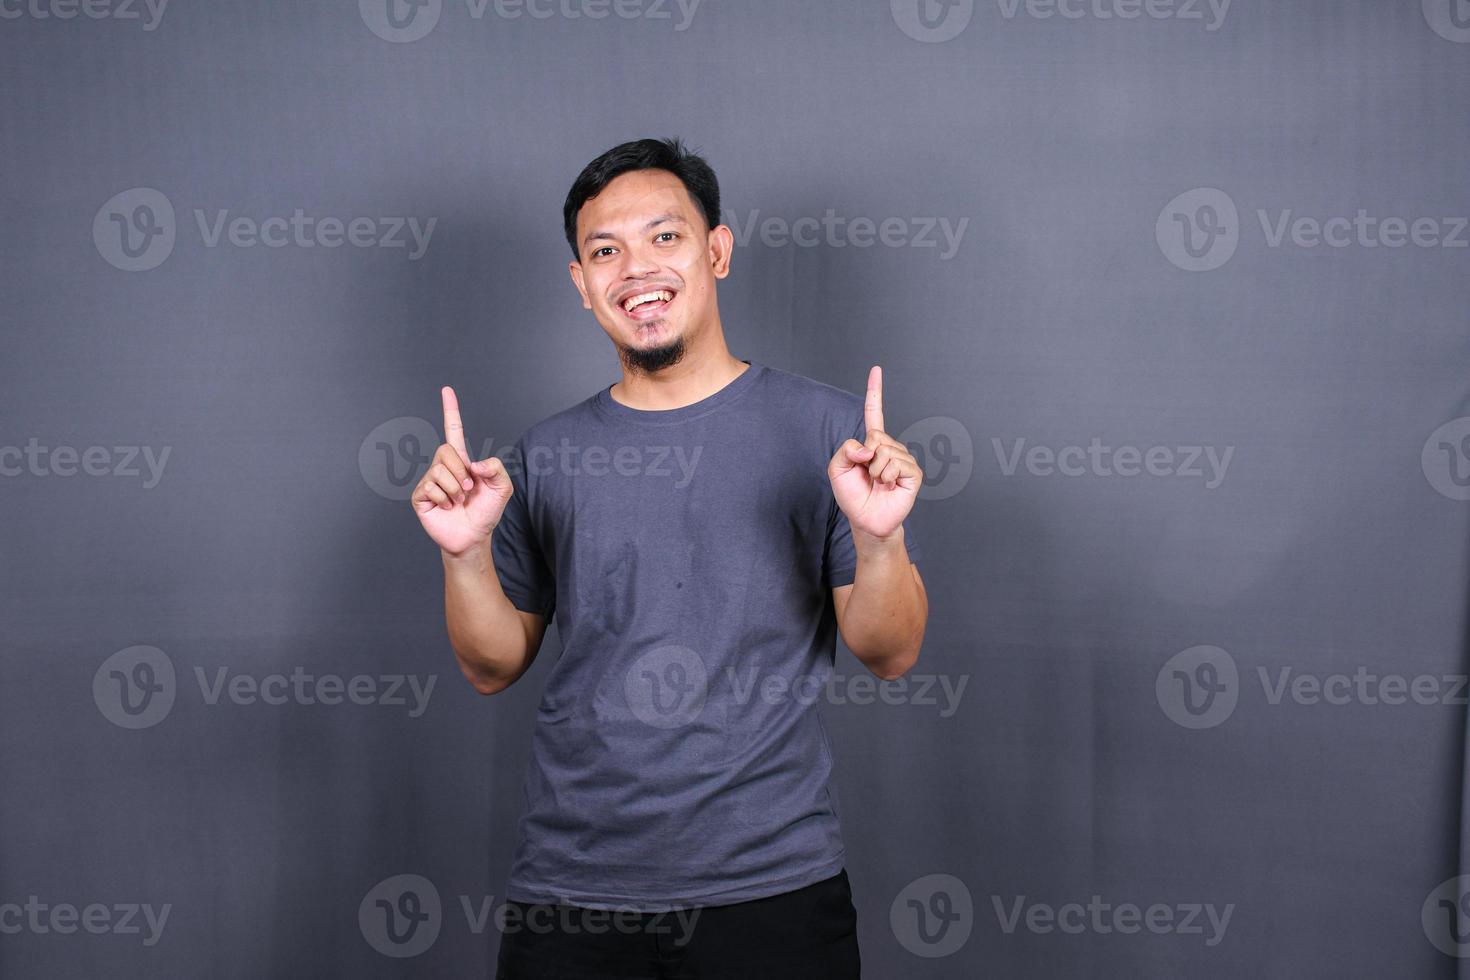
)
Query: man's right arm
[
  {"x": 460, "y": 501},
  {"x": 494, "y": 642}
]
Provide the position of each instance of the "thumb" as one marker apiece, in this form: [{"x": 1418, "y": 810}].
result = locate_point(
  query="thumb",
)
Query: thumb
[
  {"x": 487, "y": 469},
  {"x": 851, "y": 453}
]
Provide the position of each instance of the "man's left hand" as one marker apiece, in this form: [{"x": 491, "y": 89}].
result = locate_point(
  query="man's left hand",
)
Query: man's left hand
[{"x": 875, "y": 481}]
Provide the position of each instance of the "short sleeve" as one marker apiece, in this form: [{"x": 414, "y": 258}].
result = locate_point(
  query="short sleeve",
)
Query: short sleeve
[
  {"x": 520, "y": 564},
  {"x": 840, "y": 566}
]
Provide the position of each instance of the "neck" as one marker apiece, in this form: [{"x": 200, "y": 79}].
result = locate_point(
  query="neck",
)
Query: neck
[{"x": 703, "y": 370}]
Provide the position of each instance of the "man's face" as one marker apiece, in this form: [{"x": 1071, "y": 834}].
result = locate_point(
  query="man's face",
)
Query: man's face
[{"x": 648, "y": 266}]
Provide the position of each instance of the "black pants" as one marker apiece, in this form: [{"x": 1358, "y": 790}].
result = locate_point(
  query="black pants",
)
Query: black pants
[{"x": 809, "y": 933}]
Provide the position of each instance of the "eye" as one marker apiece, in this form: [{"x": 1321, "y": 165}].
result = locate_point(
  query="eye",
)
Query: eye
[
  {"x": 597, "y": 252},
  {"x": 666, "y": 234}
]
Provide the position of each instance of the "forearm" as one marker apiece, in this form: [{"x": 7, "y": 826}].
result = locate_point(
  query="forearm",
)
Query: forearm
[
  {"x": 485, "y": 629},
  {"x": 887, "y": 610}
]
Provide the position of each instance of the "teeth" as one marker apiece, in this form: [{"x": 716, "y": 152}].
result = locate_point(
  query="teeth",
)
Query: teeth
[{"x": 632, "y": 301}]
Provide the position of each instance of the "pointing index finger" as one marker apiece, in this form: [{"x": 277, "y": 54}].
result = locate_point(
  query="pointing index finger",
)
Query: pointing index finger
[
  {"x": 453, "y": 427},
  {"x": 873, "y": 406}
]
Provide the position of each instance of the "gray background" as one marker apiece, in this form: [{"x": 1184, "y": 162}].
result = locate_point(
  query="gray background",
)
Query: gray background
[{"x": 277, "y": 538}]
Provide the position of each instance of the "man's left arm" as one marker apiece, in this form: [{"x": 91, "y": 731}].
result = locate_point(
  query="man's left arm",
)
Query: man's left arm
[{"x": 882, "y": 614}]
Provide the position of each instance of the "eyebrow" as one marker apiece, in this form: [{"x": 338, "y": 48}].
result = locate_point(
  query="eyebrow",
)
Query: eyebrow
[{"x": 661, "y": 219}]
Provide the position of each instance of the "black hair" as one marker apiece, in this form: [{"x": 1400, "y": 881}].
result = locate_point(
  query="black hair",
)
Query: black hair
[{"x": 646, "y": 154}]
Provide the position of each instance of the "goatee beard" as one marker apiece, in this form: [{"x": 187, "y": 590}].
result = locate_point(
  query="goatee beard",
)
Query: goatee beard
[{"x": 647, "y": 360}]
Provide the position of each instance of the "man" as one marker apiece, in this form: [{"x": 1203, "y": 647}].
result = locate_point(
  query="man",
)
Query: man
[{"x": 680, "y": 525}]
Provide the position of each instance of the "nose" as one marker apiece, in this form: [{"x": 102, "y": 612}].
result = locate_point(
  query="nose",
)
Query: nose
[{"x": 639, "y": 262}]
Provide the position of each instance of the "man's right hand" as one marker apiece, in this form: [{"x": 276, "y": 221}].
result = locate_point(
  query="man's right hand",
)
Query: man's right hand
[{"x": 459, "y": 501}]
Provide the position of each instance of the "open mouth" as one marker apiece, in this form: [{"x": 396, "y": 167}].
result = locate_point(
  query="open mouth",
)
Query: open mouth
[{"x": 647, "y": 305}]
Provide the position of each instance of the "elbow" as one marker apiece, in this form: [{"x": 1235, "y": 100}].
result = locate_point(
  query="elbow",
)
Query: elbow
[
  {"x": 483, "y": 682},
  {"x": 893, "y": 667},
  {"x": 487, "y": 687}
]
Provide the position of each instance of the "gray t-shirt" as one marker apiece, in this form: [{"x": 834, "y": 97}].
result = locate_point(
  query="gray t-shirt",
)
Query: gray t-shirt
[{"x": 687, "y": 557}]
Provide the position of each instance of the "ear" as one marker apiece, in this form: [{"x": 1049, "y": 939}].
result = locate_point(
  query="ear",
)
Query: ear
[
  {"x": 575, "y": 268},
  {"x": 721, "y": 245}
]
